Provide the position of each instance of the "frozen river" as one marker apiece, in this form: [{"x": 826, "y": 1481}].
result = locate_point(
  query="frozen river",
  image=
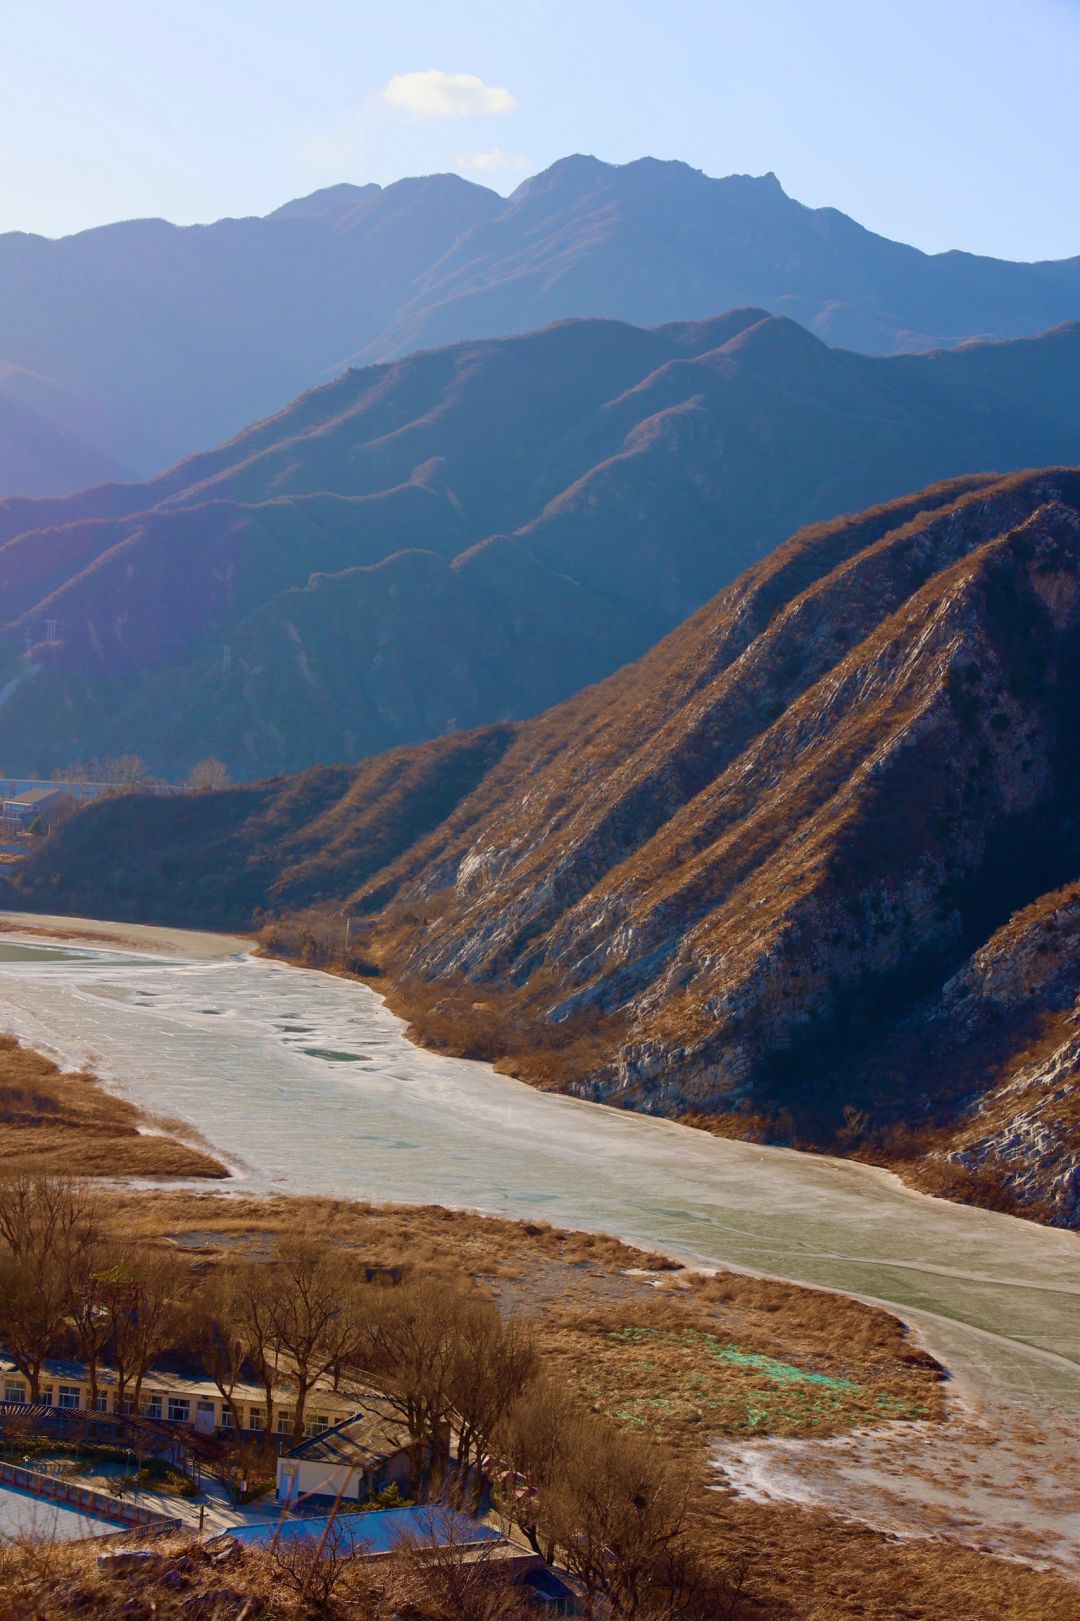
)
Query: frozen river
[{"x": 305, "y": 1083}]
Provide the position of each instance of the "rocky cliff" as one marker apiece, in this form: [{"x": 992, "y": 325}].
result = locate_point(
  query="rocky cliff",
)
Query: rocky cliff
[{"x": 793, "y": 874}]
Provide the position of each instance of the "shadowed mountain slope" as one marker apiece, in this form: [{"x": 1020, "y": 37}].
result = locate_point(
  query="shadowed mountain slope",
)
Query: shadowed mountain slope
[
  {"x": 149, "y": 340},
  {"x": 762, "y": 877},
  {"x": 471, "y": 534}
]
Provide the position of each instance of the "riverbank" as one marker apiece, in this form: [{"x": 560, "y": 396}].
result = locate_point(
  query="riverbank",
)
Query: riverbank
[
  {"x": 199, "y": 946},
  {"x": 309, "y": 1082},
  {"x": 684, "y": 1359},
  {"x": 63, "y": 1123}
]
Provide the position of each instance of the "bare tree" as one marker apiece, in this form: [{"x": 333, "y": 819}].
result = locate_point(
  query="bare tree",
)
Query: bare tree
[
  {"x": 125, "y": 770},
  {"x": 218, "y": 1334},
  {"x": 207, "y": 774},
  {"x": 496, "y": 1360},
  {"x": 536, "y": 1439},
  {"x": 619, "y": 1518},
  {"x": 148, "y": 1312},
  {"x": 89, "y": 1295},
  {"x": 314, "y": 1315},
  {"x": 410, "y": 1341},
  {"x": 44, "y": 1222},
  {"x": 255, "y": 1285},
  {"x": 441, "y": 1573},
  {"x": 321, "y": 1571}
]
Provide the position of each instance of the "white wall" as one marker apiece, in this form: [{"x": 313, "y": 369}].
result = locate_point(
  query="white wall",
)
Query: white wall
[{"x": 298, "y": 1477}]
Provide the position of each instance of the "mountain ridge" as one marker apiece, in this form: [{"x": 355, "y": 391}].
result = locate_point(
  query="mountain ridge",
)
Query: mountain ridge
[
  {"x": 469, "y": 534},
  {"x": 806, "y": 871},
  {"x": 155, "y": 339},
  {"x": 578, "y": 491}
]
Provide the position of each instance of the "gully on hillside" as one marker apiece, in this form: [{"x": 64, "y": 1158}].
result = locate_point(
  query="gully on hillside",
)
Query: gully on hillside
[
  {"x": 472, "y": 534},
  {"x": 736, "y": 881}
]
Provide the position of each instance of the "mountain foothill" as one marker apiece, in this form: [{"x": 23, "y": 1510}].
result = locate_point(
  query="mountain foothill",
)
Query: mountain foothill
[{"x": 805, "y": 872}]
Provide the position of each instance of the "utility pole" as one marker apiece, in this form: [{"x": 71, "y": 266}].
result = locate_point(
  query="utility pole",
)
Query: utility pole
[{"x": 226, "y": 660}]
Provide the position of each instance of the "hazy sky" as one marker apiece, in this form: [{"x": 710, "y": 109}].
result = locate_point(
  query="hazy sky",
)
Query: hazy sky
[{"x": 947, "y": 123}]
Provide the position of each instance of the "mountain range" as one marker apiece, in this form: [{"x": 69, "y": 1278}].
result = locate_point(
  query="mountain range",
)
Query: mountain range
[
  {"x": 807, "y": 871},
  {"x": 126, "y": 347},
  {"x": 471, "y": 534}
]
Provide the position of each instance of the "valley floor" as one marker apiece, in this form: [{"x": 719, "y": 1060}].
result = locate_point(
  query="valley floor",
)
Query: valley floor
[{"x": 853, "y": 1483}]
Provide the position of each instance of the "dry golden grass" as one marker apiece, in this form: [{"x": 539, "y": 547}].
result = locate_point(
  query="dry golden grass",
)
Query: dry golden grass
[
  {"x": 55, "y": 1580},
  {"x": 63, "y": 1124},
  {"x": 684, "y": 1356},
  {"x": 800, "y": 1567},
  {"x": 804, "y": 1565},
  {"x": 603, "y": 1310}
]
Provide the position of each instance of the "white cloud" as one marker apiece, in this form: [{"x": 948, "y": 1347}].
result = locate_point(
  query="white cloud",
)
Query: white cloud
[
  {"x": 494, "y": 162},
  {"x": 447, "y": 95}
]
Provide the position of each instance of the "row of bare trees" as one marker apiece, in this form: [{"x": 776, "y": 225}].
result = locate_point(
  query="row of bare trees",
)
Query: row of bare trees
[
  {"x": 441, "y": 1354},
  {"x": 130, "y": 771},
  {"x": 467, "y": 1383},
  {"x": 64, "y": 1280}
]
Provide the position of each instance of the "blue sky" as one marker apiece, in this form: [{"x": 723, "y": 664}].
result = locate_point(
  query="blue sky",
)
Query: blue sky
[{"x": 947, "y": 124}]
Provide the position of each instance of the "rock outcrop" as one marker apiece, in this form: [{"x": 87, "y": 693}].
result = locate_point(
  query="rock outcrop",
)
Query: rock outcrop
[{"x": 795, "y": 873}]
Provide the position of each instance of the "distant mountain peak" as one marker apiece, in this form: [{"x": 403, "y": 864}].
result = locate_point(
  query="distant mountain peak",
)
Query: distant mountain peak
[
  {"x": 324, "y": 202},
  {"x": 260, "y": 309}
]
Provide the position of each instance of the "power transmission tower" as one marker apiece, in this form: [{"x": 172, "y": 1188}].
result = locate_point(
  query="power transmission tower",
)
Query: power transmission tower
[{"x": 50, "y": 632}]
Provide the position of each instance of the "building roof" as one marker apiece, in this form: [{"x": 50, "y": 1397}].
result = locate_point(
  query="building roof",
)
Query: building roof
[
  {"x": 320, "y": 1398},
  {"x": 33, "y": 797},
  {"x": 380, "y": 1530},
  {"x": 374, "y": 1433}
]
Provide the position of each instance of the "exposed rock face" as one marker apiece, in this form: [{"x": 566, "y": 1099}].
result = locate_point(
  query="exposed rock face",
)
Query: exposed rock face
[
  {"x": 766, "y": 873},
  {"x": 1009, "y": 1024}
]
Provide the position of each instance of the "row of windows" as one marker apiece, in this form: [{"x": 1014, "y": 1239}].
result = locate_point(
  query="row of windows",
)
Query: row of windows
[{"x": 177, "y": 1409}]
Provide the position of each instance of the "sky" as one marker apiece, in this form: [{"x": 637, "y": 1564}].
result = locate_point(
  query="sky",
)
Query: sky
[{"x": 945, "y": 123}]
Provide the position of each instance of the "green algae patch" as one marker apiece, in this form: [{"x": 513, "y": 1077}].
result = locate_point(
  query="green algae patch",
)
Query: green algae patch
[{"x": 693, "y": 1376}]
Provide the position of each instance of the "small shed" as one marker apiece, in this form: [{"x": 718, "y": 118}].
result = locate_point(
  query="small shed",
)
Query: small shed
[{"x": 353, "y": 1461}]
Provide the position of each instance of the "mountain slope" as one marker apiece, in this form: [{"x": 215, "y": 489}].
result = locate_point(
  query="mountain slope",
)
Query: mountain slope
[
  {"x": 178, "y": 336},
  {"x": 651, "y": 241},
  {"x": 763, "y": 877},
  {"x": 473, "y": 533},
  {"x": 37, "y": 452},
  {"x": 150, "y": 340}
]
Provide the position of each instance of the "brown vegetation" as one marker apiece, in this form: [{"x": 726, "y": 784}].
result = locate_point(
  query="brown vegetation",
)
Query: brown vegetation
[
  {"x": 66, "y": 1124},
  {"x": 722, "y": 882},
  {"x": 294, "y": 1581},
  {"x": 608, "y": 1437}
]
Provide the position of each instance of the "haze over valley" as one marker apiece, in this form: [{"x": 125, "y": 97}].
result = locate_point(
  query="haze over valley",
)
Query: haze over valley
[
  {"x": 473, "y": 533},
  {"x": 125, "y": 348},
  {"x": 539, "y": 863}
]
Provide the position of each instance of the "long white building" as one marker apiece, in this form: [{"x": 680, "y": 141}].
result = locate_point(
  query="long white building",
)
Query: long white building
[{"x": 178, "y": 1399}]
